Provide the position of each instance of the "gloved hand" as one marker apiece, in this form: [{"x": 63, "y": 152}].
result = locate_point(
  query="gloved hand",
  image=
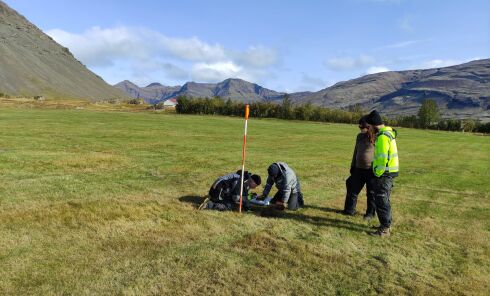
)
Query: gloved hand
[{"x": 252, "y": 195}]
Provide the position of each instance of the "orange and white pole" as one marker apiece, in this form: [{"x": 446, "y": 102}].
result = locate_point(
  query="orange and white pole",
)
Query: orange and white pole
[{"x": 247, "y": 111}]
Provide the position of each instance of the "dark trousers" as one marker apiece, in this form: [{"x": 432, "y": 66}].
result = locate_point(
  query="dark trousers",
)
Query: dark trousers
[
  {"x": 294, "y": 201},
  {"x": 381, "y": 190},
  {"x": 354, "y": 185},
  {"x": 218, "y": 196}
]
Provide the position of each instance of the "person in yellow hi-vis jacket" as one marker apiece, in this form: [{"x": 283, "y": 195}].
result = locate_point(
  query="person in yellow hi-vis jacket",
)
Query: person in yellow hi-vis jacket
[{"x": 385, "y": 169}]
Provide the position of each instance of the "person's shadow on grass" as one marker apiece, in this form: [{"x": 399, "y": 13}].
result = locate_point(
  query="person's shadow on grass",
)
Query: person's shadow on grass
[
  {"x": 269, "y": 212},
  {"x": 325, "y": 209},
  {"x": 195, "y": 200},
  {"x": 315, "y": 220}
]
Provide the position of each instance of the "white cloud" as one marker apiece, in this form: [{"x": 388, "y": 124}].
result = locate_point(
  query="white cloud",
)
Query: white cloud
[
  {"x": 167, "y": 69},
  {"x": 101, "y": 47},
  {"x": 349, "y": 63},
  {"x": 401, "y": 44},
  {"x": 96, "y": 46},
  {"x": 376, "y": 69},
  {"x": 258, "y": 56},
  {"x": 150, "y": 52},
  {"x": 175, "y": 71},
  {"x": 216, "y": 72},
  {"x": 191, "y": 49}
]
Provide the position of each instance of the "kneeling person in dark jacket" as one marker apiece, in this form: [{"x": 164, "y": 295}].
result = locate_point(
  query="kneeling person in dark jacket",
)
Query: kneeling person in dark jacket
[
  {"x": 224, "y": 194},
  {"x": 287, "y": 184}
]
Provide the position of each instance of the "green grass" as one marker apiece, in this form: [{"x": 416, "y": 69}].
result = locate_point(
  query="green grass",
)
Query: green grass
[{"x": 104, "y": 203}]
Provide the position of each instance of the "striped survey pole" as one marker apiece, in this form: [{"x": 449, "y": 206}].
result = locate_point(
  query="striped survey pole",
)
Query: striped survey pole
[{"x": 247, "y": 111}]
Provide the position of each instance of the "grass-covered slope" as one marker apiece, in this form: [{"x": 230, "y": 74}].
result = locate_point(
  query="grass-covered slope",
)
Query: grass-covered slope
[
  {"x": 104, "y": 203},
  {"x": 33, "y": 64}
]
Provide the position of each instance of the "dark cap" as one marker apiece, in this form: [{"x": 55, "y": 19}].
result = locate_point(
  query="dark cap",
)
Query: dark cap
[
  {"x": 273, "y": 170},
  {"x": 374, "y": 118}
]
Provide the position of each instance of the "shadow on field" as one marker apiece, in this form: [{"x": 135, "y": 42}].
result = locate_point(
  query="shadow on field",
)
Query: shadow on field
[
  {"x": 315, "y": 220},
  {"x": 328, "y": 210},
  {"x": 195, "y": 200}
]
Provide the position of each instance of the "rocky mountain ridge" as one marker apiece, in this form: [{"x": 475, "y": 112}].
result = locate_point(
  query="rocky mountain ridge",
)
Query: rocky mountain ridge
[{"x": 234, "y": 89}]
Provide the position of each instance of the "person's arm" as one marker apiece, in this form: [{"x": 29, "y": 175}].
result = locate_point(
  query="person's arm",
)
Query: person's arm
[
  {"x": 353, "y": 162},
  {"x": 268, "y": 186},
  {"x": 236, "y": 190},
  {"x": 381, "y": 155},
  {"x": 246, "y": 187}
]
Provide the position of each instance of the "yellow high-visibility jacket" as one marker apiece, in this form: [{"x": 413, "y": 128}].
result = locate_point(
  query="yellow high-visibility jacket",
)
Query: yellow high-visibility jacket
[{"x": 385, "y": 153}]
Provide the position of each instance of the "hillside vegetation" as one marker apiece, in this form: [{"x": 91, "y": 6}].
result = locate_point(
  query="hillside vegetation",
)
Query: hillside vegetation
[
  {"x": 99, "y": 202},
  {"x": 33, "y": 64}
]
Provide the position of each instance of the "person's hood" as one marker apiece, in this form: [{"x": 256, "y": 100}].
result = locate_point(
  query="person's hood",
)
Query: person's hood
[{"x": 391, "y": 130}]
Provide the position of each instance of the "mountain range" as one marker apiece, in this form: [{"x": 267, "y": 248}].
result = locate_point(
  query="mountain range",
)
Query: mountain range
[
  {"x": 232, "y": 88},
  {"x": 461, "y": 91},
  {"x": 32, "y": 64}
]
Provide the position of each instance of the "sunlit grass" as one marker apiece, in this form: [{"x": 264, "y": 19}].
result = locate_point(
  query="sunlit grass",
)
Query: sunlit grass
[{"x": 97, "y": 202}]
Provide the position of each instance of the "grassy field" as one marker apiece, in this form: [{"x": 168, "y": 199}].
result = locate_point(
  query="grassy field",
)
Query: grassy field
[{"x": 99, "y": 202}]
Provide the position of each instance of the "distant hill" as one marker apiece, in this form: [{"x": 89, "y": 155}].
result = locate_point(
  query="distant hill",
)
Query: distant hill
[
  {"x": 153, "y": 93},
  {"x": 31, "y": 64},
  {"x": 461, "y": 91},
  {"x": 234, "y": 89}
]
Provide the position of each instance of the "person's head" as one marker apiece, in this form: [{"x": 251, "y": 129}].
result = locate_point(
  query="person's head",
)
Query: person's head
[
  {"x": 274, "y": 171},
  {"x": 363, "y": 125},
  {"x": 255, "y": 181},
  {"x": 374, "y": 119}
]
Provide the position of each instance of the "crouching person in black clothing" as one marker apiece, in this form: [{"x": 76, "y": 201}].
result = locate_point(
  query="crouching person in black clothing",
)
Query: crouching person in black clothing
[
  {"x": 224, "y": 194},
  {"x": 287, "y": 184}
]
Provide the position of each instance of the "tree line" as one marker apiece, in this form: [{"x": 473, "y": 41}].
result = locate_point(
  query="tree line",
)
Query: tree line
[{"x": 428, "y": 116}]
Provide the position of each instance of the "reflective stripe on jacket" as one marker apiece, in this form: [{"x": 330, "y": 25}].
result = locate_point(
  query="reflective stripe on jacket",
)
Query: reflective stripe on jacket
[{"x": 385, "y": 152}]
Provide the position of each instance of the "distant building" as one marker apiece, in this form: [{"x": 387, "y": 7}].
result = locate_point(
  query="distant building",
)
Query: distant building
[{"x": 170, "y": 103}]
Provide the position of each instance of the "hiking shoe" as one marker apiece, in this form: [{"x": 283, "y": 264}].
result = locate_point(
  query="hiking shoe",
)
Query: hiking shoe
[
  {"x": 367, "y": 217},
  {"x": 301, "y": 201},
  {"x": 345, "y": 213},
  {"x": 381, "y": 232}
]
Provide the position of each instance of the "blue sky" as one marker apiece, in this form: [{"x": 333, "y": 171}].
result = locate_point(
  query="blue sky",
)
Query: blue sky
[{"x": 283, "y": 45}]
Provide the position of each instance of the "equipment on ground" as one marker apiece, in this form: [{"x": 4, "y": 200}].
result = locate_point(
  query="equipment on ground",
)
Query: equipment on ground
[{"x": 261, "y": 202}]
